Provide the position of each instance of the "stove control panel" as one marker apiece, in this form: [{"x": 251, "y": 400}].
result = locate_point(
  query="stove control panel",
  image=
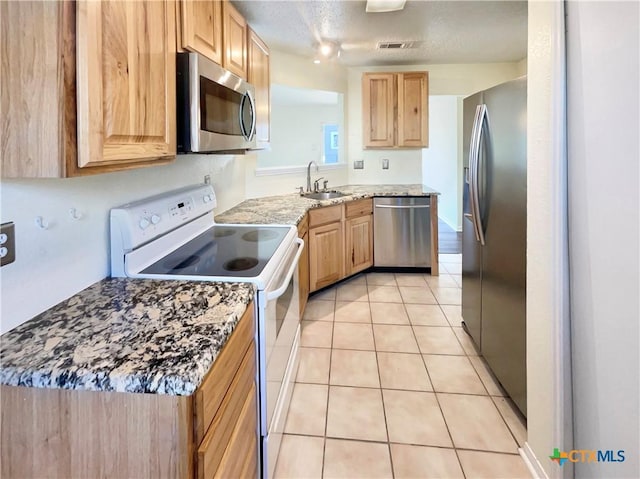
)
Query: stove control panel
[{"x": 141, "y": 221}]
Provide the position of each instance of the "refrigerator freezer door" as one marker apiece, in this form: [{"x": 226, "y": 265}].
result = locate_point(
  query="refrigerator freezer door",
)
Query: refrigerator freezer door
[
  {"x": 504, "y": 218},
  {"x": 471, "y": 249}
]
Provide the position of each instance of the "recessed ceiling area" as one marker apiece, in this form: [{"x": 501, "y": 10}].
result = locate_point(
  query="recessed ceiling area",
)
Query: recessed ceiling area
[{"x": 438, "y": 31}]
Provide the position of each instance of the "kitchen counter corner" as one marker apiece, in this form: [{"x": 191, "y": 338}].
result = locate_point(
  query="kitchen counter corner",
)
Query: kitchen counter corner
[
  {"x": 289, "y": 209},
  {"x": 126, "y": 335}
]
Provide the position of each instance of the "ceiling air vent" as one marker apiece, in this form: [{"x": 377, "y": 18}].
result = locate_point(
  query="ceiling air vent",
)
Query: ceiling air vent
[{"x": 395, "y": 45}]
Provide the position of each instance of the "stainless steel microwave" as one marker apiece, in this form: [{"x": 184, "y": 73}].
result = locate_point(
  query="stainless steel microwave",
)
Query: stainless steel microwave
[{"x": 215, "y": 109}]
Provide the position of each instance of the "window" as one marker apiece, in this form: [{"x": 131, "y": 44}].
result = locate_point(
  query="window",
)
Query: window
[{"x": 330, "y": 142}]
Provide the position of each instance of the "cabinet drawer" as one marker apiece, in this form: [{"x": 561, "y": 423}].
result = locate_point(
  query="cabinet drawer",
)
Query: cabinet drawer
[
  {"x": 328, "y": 214},
  {"x": 212, "y": 448},
  {"x": 241, "y": 451},
  {"x": 359, "y": 207},
  {"x": 210, "y": 394}
]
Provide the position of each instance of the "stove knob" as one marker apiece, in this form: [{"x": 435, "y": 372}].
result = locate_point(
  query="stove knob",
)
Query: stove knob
[
  {"x": 207, "y": 198},
  {"x": 144, "y": 223},
  {"x": 155, "y": 219}
]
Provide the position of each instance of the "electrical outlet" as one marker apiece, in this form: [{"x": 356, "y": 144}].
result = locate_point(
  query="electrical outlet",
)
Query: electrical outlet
[
  {"x": 358, "y": 165},
  {"x": 7, "y": 243},
  {"x": 385, "y": 163}
]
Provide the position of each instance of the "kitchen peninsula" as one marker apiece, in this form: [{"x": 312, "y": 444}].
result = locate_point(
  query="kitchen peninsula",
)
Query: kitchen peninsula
[{"x": 127, "y": 378}]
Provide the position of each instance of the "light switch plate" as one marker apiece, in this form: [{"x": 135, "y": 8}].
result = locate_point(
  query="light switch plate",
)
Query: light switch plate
[
  {"x": 385, "y": 163},
  {"x": 7, "y": 243},
  {"x": 358, "y": 165}
]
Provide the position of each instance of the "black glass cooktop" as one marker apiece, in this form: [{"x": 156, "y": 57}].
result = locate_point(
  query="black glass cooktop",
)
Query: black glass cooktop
[{"x": 223, "y": 250}]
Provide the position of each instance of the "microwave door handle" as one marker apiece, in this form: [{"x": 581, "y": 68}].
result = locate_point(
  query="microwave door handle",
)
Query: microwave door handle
[
  {"x": 283, "y": 287},
  {"x": 247, "y": 134},
  {"x": 241, "y": 116},
  {"x": 254, "y": 115}
]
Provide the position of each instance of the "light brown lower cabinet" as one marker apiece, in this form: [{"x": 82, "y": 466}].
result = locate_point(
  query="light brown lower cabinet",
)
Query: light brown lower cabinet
[
  {"x": 326, "y": 257},
  {"x": 212, "y": 433},
  {"x": 358, "y": 236},
  {"x": 359, "y": 244}
]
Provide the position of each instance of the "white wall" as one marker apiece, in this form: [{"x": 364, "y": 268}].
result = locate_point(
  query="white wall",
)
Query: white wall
[
  {"x": 440, "y": 162},
  {"x": 53, "y": 264},
  {"x": 296, "y": 71},
  {"x": 548, "y": 355},
  {"x": 280, "y": 184},
  {"x": 603, "y": 124},
  {"x": 297, "y": 135}
]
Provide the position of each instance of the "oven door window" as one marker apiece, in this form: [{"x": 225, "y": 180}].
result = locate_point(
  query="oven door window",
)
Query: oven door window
[{"x": 220, "y": 108}]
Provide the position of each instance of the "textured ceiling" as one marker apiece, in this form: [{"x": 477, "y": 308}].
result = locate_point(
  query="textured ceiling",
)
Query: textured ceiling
[{"x": 443, "y": 31}]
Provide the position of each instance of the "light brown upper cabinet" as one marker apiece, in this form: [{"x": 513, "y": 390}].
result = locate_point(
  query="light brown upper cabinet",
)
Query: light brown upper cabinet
[
  {"x": 216, "y": 30},
  {"x": 92, "y": 90},
  {"x": 234, "y": 32},
  {"x": 258, "y": 76},
  {"x": 395, "y": 110},
  {"x": 126, "y": 82},
  {"x": 201, "y": 25}
]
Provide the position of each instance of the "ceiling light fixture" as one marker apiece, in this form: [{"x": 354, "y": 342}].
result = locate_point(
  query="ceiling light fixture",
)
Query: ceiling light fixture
[
  {"x": 381, "y": 6},
  {"x": 326, "y": 51}
]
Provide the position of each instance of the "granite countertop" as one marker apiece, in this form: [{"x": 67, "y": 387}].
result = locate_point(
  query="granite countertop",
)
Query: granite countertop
[
  {"x": 126, "y": 335},
  {"x": 290, "y": 209}
]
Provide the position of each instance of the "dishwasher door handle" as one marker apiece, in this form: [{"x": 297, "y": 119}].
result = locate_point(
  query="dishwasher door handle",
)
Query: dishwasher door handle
[{"x": 405, "y": 207}]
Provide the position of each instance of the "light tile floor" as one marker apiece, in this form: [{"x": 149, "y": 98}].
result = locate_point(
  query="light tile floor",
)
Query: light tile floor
[{"x": 390, "y": 386}]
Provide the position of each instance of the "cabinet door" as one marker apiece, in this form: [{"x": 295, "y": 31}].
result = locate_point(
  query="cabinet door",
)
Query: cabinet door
[
  {"x": 234, "y": 30},
  {"x": 126, "y": 81},
  {"x": 202, "y": 28},
  {"x": 413, "y": 109},
  {"x": 258, "y": 76},
  {"x": 326, "y": 257},
  {"x": 378, "y": 115},
  {"x": 359, "y": 241}
]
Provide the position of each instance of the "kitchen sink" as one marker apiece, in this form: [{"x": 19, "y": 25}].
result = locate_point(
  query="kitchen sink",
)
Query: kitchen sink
[{"x": 323, "y": 195}]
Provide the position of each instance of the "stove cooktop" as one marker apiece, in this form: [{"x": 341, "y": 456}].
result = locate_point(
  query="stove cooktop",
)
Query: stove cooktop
[{"x": 222, "y": 250}]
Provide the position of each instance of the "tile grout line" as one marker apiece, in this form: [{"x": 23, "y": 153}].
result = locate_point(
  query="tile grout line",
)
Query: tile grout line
[
  {"x": 384, "y": 409},
  {"x": 326, "y": 414},
  {"x": 444, "y": 419}
]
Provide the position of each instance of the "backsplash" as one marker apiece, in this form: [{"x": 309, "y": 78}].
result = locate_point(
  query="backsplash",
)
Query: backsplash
[{"x": 55, "y": 263}]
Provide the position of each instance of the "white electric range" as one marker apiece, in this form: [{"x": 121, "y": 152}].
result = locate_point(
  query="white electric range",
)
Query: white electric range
[{"x": 174, "y": 236}]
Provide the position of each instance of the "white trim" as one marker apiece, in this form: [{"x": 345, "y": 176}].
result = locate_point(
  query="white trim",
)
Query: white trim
[
  {"x": 290, "y": 170},
  {"x": 550, "y": 421},
  {"x": 454, "y": 228},
  {"x": 562, "y": 429},
  {"x": 532, "y": 463}
]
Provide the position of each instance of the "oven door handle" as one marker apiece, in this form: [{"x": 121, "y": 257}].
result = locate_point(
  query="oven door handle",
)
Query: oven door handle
[{"x": 276, "y": 293}]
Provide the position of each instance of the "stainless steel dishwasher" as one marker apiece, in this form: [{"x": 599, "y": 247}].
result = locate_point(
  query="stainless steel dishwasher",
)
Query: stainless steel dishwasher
[{"x": 402, "y": 232}]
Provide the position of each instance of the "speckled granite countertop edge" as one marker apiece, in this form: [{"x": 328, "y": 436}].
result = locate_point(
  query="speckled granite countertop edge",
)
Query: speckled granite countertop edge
[
  {"x": 126, "y": 335},
  {"x": 291, "y": 208}
]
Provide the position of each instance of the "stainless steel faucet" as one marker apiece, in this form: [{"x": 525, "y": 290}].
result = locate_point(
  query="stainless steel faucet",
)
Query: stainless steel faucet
[{"x": 309, "y": 174}]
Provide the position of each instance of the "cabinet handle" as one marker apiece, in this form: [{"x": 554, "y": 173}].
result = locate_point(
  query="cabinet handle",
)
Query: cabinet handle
[{"x": 353, "y": 257}]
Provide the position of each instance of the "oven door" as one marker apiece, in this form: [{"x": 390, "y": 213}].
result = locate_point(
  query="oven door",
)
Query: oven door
[{"x": 278, "y": 335}]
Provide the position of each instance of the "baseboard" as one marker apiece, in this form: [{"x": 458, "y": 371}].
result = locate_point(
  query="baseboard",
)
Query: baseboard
[
  {"x": 530, "y": 459},
  {"x": 453, "y": 227}
]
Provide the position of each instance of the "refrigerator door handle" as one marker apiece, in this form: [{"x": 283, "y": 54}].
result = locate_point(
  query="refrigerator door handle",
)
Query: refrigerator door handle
[
  {"x": 474, "y": 162},
  {"x": 471, "y": 178}
]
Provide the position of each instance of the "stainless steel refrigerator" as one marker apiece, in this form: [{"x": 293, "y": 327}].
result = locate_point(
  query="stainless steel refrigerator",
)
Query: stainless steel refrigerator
[{"x": 494, "y": 231}]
